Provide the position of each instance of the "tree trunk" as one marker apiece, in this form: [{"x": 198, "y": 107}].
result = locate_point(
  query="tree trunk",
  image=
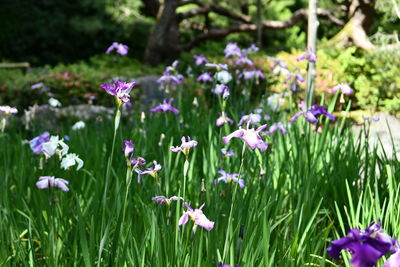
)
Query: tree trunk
[
  {"x": 163, "y": 44},
  {"x": 361, "y": 13}
]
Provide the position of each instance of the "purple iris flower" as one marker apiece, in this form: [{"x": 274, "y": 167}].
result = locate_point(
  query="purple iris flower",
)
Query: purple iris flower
[
  {"x": 309, "y": 55},
  {"x": 128, "y": 148},
  {"x": 218, "y": 67},
  {"x": 185, "y": 146},
  {"x": 366, "y": 246},
  {"x": 200, "y": 59},
  {"x": 37, "y": 142},
  {"x": 121, "y": 90},
  {"x": 221, "y": 89},
  {"x": 197, "y": 216},
  {"x": 277, "y": 126},
  {"x": 165, "y": 106},
  {"x": 232, "y": 49},
  {"x": 162, "y": 199},
  {"x": 244, "y": 60},
  {"x": 294, "y": 79},
  {"x": 251, "y": 49},
  {"x": 250, "y": 136},
  {"x": 227, "y": 153},
  {"x": 313, "y": 114},
  {"x": 223, "y": 119},
  {"x": 251, "y": 118},
  {"x": 169, "y": 78},
  {"x": 220, "y": 264},
  {"x": 229, "y": 178},
  {"x": 138, "y": 162},
  {"x": 8, "y": 110},
  {"x": 152, "y": 171},
  {"x": 120, "y": 48},
  {"x": 205, "y": 77},
  {"x": 343, "y": 87},
  {"x": 49, "y": 181}
]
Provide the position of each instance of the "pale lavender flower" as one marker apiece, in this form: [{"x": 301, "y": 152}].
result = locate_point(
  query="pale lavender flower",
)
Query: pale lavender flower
[
  {"x": 37, "y": 142},
  {"x": 222, "y": 120},
  {"x": 250, "y": 136},
  {"x": 120, "y": 49},
  {"x": 169, "y": 78},
  {"x": 218, "y": 67},
  {"x": 252, "y": 74},
  {"x": 277, "y": 62},
  {"x": 49, "y": 181},
  {"x": 252, "y": 118},
  {"x": 313, "y": 114},
  {"x": 152, "y": 171},
  {"x": 200, "y": 59},
  {"x": 251, "y": 49},
  {"x": 121, "y": 90},
  {"x": 245, "y": 61},
  {"x": 37, "y": 85},
  {"x": 275, "y": 127},
  {"x": 163, "y": 200},
  {"x": 173, "y": 66},
  {"x": 128, "y": 148},
  {"x": 197, "y": 216},
  {"x": 229, "y": 178},
  {"x": 8, "y": 110},
  {"x": 227, "y": 153},
  {"x": 309, "y": 55},
  {"x": 222, "y": 90},
  {"x": 394, "y": 259},
  {"x": 205, "y": 77},
  {"x": 343, "y": 87},
  {"x": 232, "y": 49},
  {"x": 138, "y": 162},
  {"x": 165, "y": 106},
  {"x": 185, "y": 146}
]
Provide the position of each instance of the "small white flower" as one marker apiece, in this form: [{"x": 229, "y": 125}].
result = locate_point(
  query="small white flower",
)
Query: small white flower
[
  {"x": 70, "y": 160},
  {"x": 54, "y": 102},
  {"x": 51, "y": 147},
  {"x": 223, "y": 77},
  {"x": 78, "y": 125}
]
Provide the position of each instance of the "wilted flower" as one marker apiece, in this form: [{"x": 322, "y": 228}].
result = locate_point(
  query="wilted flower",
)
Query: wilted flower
[
  {"x": 37, "y": 142},
  {"x": 128, "y": 148},
  {"x": 185, "y": 146},
  {"x": 222, "y": 90},
  {"x": 165, "y": 106},
  {"x": 49, "y": 181},
  {"x": 152, "y": 171},
  {"x": 309, "y": 55},
  {"x": 250, "y": 136},
  {"x": 51, "y": 147},
  {"x": 120, "y": 48},
  {"x": 223, "y": 119},
  {"x": 78, "y": 125},
  {"x": 223, "y": 76},
  {"x": 251, "y": 118},
  {"x": 138, "y": 162},
  {"x": 277, "y": 126},
  {"x": 8, "y": 110},
  {"x": 200, "y": 59},
  {"x": 197, "y": 216},
  {"x": 366, "y": 246},
  {"x": 227, "y": 153},
  {"x": 205, "y": 77},
  {"x": 121, "y": 90},
  {"x": 70, "y": 160},
  {"x": 232, "y": 49},
  {"x": 313, "y": 114},
  {"x": 229, "y": 178},
  {"x": 54, "y": 102},
  {"x": 343, "y": 87},
  {"x": 161, "y": 200}
]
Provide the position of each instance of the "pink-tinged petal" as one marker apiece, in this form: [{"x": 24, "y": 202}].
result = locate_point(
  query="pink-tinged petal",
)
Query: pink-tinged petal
[
  {"x": 202, "y": 221},
  {"x": 183, "y": 219},
  {"x": 273, "y": 129},
  {"x": 175, "y": 149},
  {"x": 236, "y": 134},
  {"x": 174, "y": 110},
  {"x": 393, "y": 260},
  {"x": 261, "y": 128},
  {"x": 43, "y": 184},
  {"x": 262, "y": 146},
  {"x": 62, "y": 184},
  {"x": 251, "y": 138}
]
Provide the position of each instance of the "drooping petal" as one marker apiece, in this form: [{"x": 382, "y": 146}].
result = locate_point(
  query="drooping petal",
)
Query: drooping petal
[
  {"x": 183, "y": 219},
  {"x": 202, "y": 221},
  {"x": 236, "y": 134}
]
